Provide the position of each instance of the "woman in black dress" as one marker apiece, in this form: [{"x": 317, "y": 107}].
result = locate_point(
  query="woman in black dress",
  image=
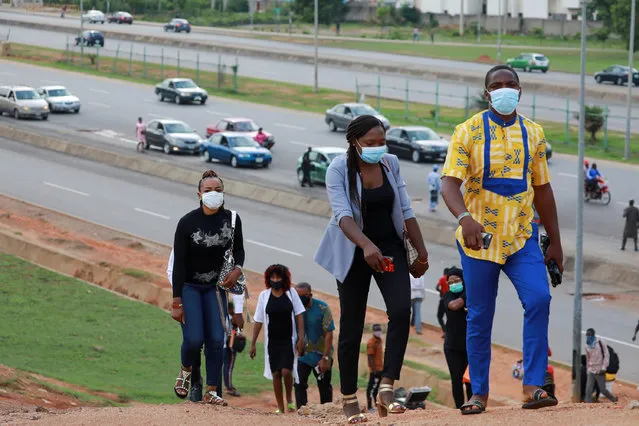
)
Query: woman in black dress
[{"x": 281, "y": 310}]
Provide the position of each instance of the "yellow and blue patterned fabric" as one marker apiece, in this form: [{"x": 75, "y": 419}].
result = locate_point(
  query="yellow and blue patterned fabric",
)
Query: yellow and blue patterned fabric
[{"x": 499, "y": 162}]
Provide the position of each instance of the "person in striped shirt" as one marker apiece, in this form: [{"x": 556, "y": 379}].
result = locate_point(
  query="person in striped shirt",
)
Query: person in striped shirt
[{"x": 500, "y": 157}]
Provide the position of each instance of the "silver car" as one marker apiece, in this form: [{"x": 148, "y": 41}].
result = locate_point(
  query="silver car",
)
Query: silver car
[
  {"x": 22, "y": 101},
  {"x": 60, "y": 99}
]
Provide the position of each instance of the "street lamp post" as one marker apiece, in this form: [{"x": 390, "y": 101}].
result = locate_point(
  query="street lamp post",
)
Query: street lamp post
[
  {"x": 81, "y": 31},
  {"x": 461, "y": 19},
  {"x": 576, "y": 328},
  {"x": 501, "y": 20},
  {"x": 479, "y": 26},
  {"x": 631, "y": 52},
  {"x": 316, "y": 23}
]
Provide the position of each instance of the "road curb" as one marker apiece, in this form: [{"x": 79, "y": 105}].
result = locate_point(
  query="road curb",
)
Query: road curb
[
  {"x": 600, "y": 94},
  {"x": 435, "y": 231}
]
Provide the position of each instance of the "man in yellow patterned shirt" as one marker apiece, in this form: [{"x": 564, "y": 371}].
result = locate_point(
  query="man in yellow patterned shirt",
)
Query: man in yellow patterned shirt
[{"x": 500, "y": 156}]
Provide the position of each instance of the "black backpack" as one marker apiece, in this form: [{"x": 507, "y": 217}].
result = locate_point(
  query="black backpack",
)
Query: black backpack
[{"x": 613, "y": 363}]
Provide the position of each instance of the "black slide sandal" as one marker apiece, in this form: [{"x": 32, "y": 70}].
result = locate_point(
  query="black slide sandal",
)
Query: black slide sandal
[
  {"x": 475, "y": 405},
  {"x": 538, "y": 402}
]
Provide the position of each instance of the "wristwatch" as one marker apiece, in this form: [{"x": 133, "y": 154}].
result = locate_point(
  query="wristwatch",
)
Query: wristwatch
[{"x": 327, "y": 358}]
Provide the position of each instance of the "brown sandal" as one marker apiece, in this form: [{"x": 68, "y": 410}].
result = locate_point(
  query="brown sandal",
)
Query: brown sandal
[
  {"x": 211, "y": 398},
  {"x": 183, "y": 383}
]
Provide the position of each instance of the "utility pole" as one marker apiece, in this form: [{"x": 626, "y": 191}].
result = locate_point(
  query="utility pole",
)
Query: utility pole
[
  {"x": 631, "y": 53},
  {"x": 501, "y": 23},
  {"x": 251, "y": 11},
  {"x": 316, "y": 22},
  {"x": 82, "y": 30},
  {"x": 461, "y": 19},
  {"x": 579, "y": 261},
  {"x": 479, "y": 24}
]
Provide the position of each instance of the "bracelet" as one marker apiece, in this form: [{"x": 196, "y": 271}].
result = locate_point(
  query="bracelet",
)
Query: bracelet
[
  {"x": 461, "y": 216},
  {"x": 240, "y": 268},
  {"x": 420, "y": 262},
  {"x": 177, "y": 306}
]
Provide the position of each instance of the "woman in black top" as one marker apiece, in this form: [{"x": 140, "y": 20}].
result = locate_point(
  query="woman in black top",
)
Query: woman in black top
[
  {"x": 202, "y": 238},
  {"x": 455, "y": 341}
]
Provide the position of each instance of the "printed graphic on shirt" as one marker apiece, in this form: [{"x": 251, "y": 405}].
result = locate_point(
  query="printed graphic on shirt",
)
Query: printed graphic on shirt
[
  {"x": 210, "y": 240},
  {"x": 206, "y": 277}
]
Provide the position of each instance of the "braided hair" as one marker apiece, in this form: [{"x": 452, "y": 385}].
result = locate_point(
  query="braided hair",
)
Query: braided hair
[
  {"x": 210, "y": 174},
  {"x": 357, "y": 129}
]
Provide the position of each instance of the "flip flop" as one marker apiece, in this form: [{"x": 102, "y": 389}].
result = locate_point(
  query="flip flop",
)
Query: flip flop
[
  {"x": 475, "y": 405},
  {"x": 537, "y": 401}
]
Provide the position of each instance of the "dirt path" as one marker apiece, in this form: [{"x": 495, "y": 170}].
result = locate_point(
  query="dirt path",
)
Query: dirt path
[{"x": 131, "y": 256}]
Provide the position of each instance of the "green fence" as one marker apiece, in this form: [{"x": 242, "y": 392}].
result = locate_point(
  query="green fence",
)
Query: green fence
[
  {"x": 442, "y": 109},
  {"x": 126, "y": 59}
]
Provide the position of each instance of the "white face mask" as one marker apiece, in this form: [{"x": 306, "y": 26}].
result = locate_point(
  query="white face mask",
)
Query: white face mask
[
  {"x": 377, "y": 334},
  {"x": 213, "y": 200}
]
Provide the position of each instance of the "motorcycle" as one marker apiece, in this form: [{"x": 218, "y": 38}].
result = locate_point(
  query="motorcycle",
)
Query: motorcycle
[{"x": 600, "y": 193}]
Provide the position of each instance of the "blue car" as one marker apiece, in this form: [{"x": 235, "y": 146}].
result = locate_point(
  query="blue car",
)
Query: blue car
[{"x": 236, "y": 149}]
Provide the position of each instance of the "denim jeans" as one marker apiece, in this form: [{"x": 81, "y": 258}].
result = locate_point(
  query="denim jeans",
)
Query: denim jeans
[
  {"x": 416, "y": 305},
  {"x": 203, "y": 327}
]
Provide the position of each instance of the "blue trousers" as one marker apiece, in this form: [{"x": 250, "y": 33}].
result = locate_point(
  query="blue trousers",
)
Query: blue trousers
[
  {"x": 203, "y": 327},
  {"x": 527, "y": 271}
]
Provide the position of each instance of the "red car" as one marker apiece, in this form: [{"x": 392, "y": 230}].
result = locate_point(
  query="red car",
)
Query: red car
[
  {"x": 120, "y": 18},
  {"x": 242, "y": 125}
]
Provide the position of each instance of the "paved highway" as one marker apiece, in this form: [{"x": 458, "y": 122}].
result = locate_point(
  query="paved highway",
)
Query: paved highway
[
  {"x": 110, "y": 108},
  {"x": 151, "y": 207},
  {"x": 548, "y": 107}
]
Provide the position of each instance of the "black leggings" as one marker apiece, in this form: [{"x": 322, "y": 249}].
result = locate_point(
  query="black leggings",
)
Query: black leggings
[
  {"x": 353, "y": 297},
  {"x": 457, "y": 362}
]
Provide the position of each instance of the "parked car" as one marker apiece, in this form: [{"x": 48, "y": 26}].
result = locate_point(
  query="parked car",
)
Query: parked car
[
  {"x": 90, "y": 38},
  {"x": 241, "y": 125},
  {"x": 178, "y": 25},
  {"x": 21, "y": 102},
  {"x": 236, "y": 149},
  {"x": 617, "y": 74},
  {"x": 418, "y": 143},
  {"x": 181, "y": 91},
  {"x": 320, "y": 158},
  {"x": 340, "y": 116},
  {"x": 548, "y": 151},
  {"x": 120, "y": 18},
  {"x": 93, "y": 17},
  {"x": 172, "y": 136},
  {"x": 60, "y": 99},
  {"x": 529, "y": 62}
]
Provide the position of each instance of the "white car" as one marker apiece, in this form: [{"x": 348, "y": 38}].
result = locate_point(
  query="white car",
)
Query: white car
[
  {"x": 21, "y": 102},
  {"x": 94, "y": 16},
  {"x": 60, "y": 99}
]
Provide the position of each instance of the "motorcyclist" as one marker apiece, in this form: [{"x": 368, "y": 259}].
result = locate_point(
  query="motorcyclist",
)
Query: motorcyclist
[
  {"x": 586, "y": 169},
  {"x": 593, "y": 176}
]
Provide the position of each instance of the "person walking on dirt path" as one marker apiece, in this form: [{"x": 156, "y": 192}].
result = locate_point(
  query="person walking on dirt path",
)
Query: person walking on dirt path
[
  {"x": 375, "y": 353},
  {"x": 279, "y": 309},
  {"x": 631, "y": 213},
  {"x": 597, "y": 359},
  {"x": 202, "y": 238},
  {"x": 500, "y": 156},
  {"x": 318, "y": 353},
  {"x": 455, "y": 341},
  {"x": 366, "y": 239},
  {"x": 306, "y": 168},
  {"x": 417, "y": 294},
  {"x": 442, "y": 288},
  {"x": 435, "y": 187}
]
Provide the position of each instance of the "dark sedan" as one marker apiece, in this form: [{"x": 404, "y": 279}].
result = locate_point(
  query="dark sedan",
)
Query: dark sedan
[
  {"x": 120, "y": 18},
  {"x": 178, "y": 25},
  {"x": 172, "y": 136},
  {"x": 90, "y": 38},
  {"x": 181, "y": 91},
  {"x": 417, "y": 143},
  {"x": 617, "y": 74},
  {"x": 340, "y": 116}
]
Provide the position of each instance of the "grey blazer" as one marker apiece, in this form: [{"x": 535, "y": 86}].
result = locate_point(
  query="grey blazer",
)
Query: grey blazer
[{"x": 335, "y": 252}]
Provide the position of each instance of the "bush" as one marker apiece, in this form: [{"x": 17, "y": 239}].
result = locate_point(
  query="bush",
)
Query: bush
[
  {"x": 236, "y": 6},
  {"x": 538, "y": 33},
  {"x": 602, "y": 34},
  {"x": 480, "y": 102},
  {"x": 455, "y": 34},
  {"x": 411, "y": 14},
  {"x": 432, "y": 21},
  {"x": 595, "y": 120}
]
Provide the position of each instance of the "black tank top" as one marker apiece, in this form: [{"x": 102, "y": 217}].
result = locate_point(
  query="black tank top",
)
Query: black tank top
[{"x": 378, "y": 213}]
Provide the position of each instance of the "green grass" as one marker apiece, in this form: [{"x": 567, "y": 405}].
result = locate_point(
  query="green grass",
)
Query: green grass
[
  {"x": 63, "y": 328},
  {"x": 439, "y": 374},
  {"x": 299, "y": 97},
  {"x": 139, "y": 274}
]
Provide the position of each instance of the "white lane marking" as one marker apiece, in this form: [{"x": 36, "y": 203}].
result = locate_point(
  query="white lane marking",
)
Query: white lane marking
[
  {"x": 161, "y": 216},
  {"x": 6, "y": 73},
  {"x": 64, "y": 188},
  {"x": 104, "y": 92},
  {"x": 148, "y": 101},
  {"x": 216, "y": 113},
  {"x": 570, "y": 175},
  {"x": 298, "y": 143},
  {"x": 621, "y": 203},
  {"x": 128, "y": 140},
  {"x": 610, "y": 339},
  {"x": 158, "y": 116},
  {"x": 257, "y": 243},
  {"x": 45, "y": 81},
  {"x": 289, "y": 126},
  {"x": 98, "y": 104},
  {"x": 431, "y": 291}
]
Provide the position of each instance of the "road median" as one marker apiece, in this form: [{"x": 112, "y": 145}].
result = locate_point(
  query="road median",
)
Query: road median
[
  {"x": 414, "y": 70},
  {"x": 435, "y": 231}
]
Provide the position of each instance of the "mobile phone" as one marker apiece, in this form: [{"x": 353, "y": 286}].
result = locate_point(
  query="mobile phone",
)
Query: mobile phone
[
  {"x": 389, "y": 266},
  {"x": 486, "y": 238}
]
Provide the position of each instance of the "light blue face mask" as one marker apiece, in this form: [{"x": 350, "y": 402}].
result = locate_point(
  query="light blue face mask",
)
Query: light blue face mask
[
  {"x": 590, "y": 341},
  {"x": 505, "y": 100},
  {"x": 372, "y": 154},
  {"x": 456, "y": 287}
]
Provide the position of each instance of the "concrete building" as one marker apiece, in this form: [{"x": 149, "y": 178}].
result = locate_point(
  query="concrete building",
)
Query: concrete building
[{"x": 534, "y": 9}]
